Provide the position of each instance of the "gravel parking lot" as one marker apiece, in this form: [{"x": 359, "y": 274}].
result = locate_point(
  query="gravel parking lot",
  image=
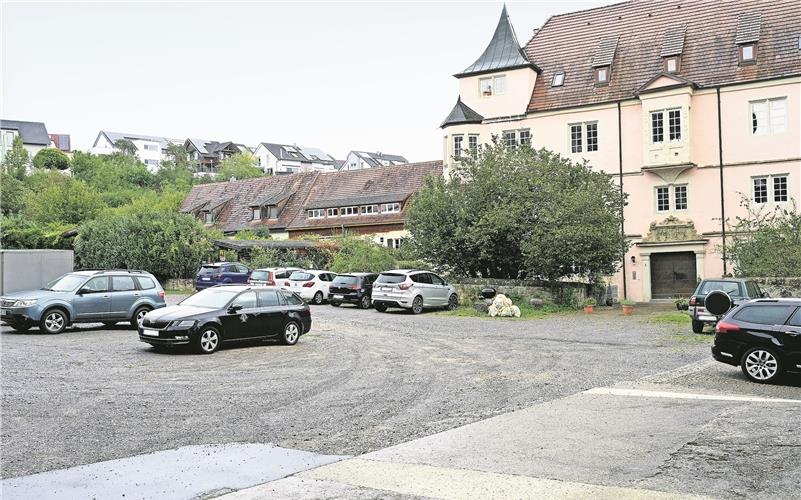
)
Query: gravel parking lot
[{"x": 358, "y": 382}]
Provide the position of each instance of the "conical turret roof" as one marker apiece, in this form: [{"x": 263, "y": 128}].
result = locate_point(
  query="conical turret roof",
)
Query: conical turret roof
[
  {"x": 503, "y": 51},
  {"x": 461, "y": 113}
]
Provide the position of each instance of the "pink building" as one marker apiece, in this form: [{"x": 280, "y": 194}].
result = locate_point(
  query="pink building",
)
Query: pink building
[{"x": 690, "y": 105}]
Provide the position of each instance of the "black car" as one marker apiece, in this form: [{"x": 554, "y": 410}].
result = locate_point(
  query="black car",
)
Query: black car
[
  {"x": 762, "y": 336},
  {"x": 739, "y": 290},
  {"x": 228, "y": 313},
  {"x": 354, "y": 288}
]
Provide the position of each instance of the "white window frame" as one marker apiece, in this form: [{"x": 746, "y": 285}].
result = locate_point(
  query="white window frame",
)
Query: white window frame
[
  {"x": 675, "y": 62},
  {"x": 665, "y": 116},
  {"x": 770, "y": 188},
  {"x": 520, "y": 133},
  {"x": 208, "y": 217},
  {"x": 390, "y": 208},
  {"x": 583, "y": 143},
  {"x": 513, "y": 135},
  {"x": 255, "y": 213},
  {"x": 671, "y": 198},
  {"x": 656, "y": 199},
  {"x": 472, "y": 148},
  {"x": 332, "y": 212},
  {"x": 558, "y": 79},
  {"x": 493, "y": 90},
  {"x": 769, "y": 127},
  {"x": 348, "y": 211},
  {"x": 457, "y": 151},
  {"x": 369, "y": 209},
  {"x": 394, "y": 243},
  {"x": 315, "y": 213},
  {"x": 674, "y": 197}
]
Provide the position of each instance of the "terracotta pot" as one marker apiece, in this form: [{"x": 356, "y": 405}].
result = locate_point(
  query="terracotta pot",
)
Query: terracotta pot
[
  {"x": 588, "y": 309},
  {"x": 628, "y": 310}
]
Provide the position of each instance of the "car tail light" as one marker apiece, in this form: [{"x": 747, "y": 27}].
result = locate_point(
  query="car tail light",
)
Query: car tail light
[
  {"x": 308, "y": 284},
  {"x": 270, "y": 283},
  {"x": 354, "y": 287},
  {"x": 286, "y": 283},
  {"x": 724, "y": 327},
  {"x": 405, "y": 286},
  {"x": 162, "y": 294},
  {"x": 693, "y": 300}
]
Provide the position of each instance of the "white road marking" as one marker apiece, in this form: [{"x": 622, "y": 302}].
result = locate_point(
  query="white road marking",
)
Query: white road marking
[{"x": 612, "y": 391}]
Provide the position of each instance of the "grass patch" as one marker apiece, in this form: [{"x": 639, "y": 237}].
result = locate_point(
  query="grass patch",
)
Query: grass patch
[
  {"x": 526, "y": 311},
  {"x": 179, "y": 291},
  {"x": 671, "y": 318}
]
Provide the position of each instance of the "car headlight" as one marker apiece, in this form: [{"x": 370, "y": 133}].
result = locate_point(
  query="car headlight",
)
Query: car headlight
[
  {"x": 25, "y": 302},
  {"x": 186, "y": 323}
]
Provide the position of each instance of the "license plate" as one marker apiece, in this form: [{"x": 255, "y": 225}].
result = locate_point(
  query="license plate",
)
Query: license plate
[
  {"x": 339, "y": 296},
  {"x": 386, "y": 289},
  {"x": 205, "y": 279},
  {"x": 152, "y": 333},
  {"x": 4, "y": 312}
]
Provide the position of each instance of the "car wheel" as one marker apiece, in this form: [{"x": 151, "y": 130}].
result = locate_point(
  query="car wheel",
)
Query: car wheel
[
  {"x": 318, "y": 298},
  {"x": 139, "y": 314},
  {"x": 208, "y": 341},
  {"x": 20, "y": 327},
  {"x": 365, "y": 302},
  {"x": 761, "y": 365},
  {"x": 698, "y": 326},
  {"x": 291, "y": 333},
  {"x": 53, "y": 321},
  {"x": 453, "y": 302},
  {"x": 417, "y": 305},
  {"x": 109, "y": 323},
  {"x": 380, "y": 307}
]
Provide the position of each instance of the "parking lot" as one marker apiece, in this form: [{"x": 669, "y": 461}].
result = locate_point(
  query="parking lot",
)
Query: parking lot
[{"x": 359, "y": 382}]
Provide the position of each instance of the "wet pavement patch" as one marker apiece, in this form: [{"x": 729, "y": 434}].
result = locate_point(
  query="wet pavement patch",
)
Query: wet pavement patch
[{"x": 183, "y": 473}]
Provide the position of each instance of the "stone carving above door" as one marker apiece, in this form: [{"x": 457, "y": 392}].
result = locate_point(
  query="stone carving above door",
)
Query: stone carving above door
[{"x": 670, "y": 230}]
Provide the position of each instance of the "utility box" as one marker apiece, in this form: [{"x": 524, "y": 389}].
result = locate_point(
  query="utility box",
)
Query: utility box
[{"x": 32, "y": 269}]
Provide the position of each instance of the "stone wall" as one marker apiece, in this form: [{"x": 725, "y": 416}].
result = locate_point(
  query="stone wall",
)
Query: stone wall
[
  {"x": 179, "y": 284},
  {"x": 780, "y": 287},
  {"x": 469, "y": 289}
]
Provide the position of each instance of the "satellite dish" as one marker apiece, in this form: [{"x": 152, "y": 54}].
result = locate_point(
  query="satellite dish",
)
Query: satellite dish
[{"x": 718, "y": 302}]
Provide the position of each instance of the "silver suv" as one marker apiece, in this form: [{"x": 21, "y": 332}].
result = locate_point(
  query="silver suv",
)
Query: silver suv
[{"x": 413, "y": 289}]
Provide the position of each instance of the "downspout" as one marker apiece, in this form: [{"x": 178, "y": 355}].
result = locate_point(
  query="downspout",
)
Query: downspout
[
  {"x": 722, "y": 192},
  {"x": 622, "y": 197}
]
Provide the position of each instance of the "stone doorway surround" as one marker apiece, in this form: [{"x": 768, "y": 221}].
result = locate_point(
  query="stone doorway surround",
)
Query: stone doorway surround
[{"x": 670, "y": 235}]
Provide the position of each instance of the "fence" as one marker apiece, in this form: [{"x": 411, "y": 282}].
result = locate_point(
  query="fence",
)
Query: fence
[
  {"x": 32, "y": 269},
  {"x": 469, "y": 288}
]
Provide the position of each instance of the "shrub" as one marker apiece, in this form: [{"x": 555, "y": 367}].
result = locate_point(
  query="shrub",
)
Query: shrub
[
  {"x": 57, "y": 198},
  {"x": 589, "y": 301},
  {"x": 361, "y": 254},
  {"x": 627, "y": 302},
  {"x": 51, "y": 159},
  {"x": 263, "y": 257},
  {"x": 20, "y": 232}
]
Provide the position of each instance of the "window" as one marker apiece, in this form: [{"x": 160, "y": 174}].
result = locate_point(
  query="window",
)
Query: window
[
  {"x": 525, "y": 136},
  {"x": 769, "y": 116},
  {"x": 94, "y": 285},
  {"x": 369, "y": 209},
  {"x": 292, "y": 299},
  {"x": 393, "y": 242},
  {"x": 796, "y": 319},
  {"x": 592, "y": 136},
  {"x": 268, "y": 298},
  {"x": 317, "y": 213},
  {"x": 122, "y": 283},
  {"x": 421, "y": 278},
  {"x": 780, "y": 188},
  {"x": 558, "y": 79},
  {"x": 672, "y": 64},
  {"x": 602, "y": 75},
  {"x": 472, "y": 144},
  {"x": 674, "y": 124},
  {"x": 151, "y": 147},
  {"x": 680, "y": 197},
  {"x": 332, "y": 212},
  {"x": 747, "y": 53},
  {"x": 390, "y": 208},
  {"x": 663, "y": 199},
  {"x": 762, "y": 187},
  {"x": 510, "y": 138},
  {"x": 575, "y": 138},
  {"x": 208, "y": 217},
  {"x": 495, "y": 85},
  {"x": 760, "y": 190},
  {"x": 348, "y": 211},
  {"x": 657, "y": 127},
  {"x": 272, "y": 211},
  {"x": 436, "y": 280},
  {"x": 145, "y": 283},
  {"x": 256, "y": 215},
  {"x": 457, "y": 145},
  {"x": 247, "y": 300},
  {"x": 765, "y": 315}
]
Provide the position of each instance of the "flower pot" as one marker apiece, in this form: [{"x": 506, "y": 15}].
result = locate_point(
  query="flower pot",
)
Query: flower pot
[
  {"x": 588, "y": 309},
  {"x": 628, "y": 310}
]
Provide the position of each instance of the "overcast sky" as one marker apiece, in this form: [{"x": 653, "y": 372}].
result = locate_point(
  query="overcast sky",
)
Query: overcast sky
[{"x": 339, "y": 76}]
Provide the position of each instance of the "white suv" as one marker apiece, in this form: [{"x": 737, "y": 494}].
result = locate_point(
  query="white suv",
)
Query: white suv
[
  {"x": 413, "y": 289},
  {"x": 311, "y": 285}
]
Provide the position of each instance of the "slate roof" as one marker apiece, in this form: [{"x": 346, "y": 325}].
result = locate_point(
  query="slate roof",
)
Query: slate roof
[
  {"x": 33, "y": 133},
  {"x": 374, "y": 159},
  {"x": 749, "y": 24},
  {"x": 115, "y": 136},
  {"x": 461, "y": 113},
  {"x": 673, "y": 41},
  {"x": 299, "y": 153},
  {"x": 605, "y": 53},
  {"x": 568, "y": 42},
  {"x": 503, "y": 51}
]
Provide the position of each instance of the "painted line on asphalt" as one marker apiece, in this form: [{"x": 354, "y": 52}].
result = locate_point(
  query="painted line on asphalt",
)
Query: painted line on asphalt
[
  {"x": 450, "y": 483},
  {"x": 612, "y": 391}
]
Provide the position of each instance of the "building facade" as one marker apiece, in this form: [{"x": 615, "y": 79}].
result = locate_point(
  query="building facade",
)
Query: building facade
[
  {"x": 290, "y": 159},
  {"x": 34, "y": 136},
  {"x": 149, "y": 149},
  {"x": 357, "y": 160},
  {"x": 690, "y": 106}
]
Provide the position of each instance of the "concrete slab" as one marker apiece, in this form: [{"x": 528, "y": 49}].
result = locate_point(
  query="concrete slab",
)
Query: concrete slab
[
  {"x": 182, "y": 473},
  {"x": 302, "y": 488}
]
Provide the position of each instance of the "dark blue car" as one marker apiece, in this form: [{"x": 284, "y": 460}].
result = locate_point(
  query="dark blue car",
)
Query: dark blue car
[{"x": 220, "y": 273}]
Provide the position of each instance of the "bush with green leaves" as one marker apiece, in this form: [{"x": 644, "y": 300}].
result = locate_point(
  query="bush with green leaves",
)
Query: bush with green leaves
[
  {"x": 239, "y": 166},
  {"x": 58, "y": 198},
  {"x": 259, "y": 233},
  {"x": 13, "y": 194},
  {"x": 165, "y": 243},
  {"x": 16, "y": 160},
  {"x": 361, "y": 254},
  {"x": 51, "y": 159},
  {"x": 18, "y": 231}
]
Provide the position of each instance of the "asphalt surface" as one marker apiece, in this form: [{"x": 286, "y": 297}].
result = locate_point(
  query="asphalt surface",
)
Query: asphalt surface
[{"x": 360, "y": 381}]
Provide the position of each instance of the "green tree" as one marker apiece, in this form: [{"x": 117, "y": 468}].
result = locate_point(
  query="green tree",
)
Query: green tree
[
  {"x": 57, "y": 198},
  {"x": 166, "y": 243},
  {"x": 259, "y": 233},
  {"x": 125, "y": 146},
  {"x": 263, "y": 257},
  {"x": 13, "y": 194},
  {"x": 119, "y": 178},
  {"x": 360, "y": 254},
  {"x": 16, "y": 161},
  {"x": 52, "y": 159},
  {"x": 18, "y": 231},
  {"x": 239, "y": 166},
  {"x": 765, "y": 242},
  {"x": 517, "y": 212}
]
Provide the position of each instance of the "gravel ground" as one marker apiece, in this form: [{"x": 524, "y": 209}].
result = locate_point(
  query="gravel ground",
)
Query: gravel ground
[{"x": 358, "y": 382}]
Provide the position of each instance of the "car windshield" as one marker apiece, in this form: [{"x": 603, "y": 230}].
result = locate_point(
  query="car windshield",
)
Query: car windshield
[
  {"x": 210, "y": 298},
  {"x": 730, "y": 287},
  {"x": 345, "y": 280},
  {"x": 301, "y": 276},
  {"x": 391, "y": 278},
  {"x": 66, "y": 283},
  {"x": 260, "y": 275},
  {"x": 208, "y": 270}
]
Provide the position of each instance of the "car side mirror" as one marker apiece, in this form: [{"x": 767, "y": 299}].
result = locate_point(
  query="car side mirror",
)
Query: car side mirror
[
  {"x": 235, "y": 308},
  {"x": 83, "y": 291}
]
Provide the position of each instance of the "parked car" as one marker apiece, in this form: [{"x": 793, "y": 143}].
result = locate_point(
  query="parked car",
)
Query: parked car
[
  {"x": 763, "y": 337},
  {"x": 228, "y": 313},
  {"x": 353, "y": 288},
  {"x": 740, "y": 290},
  {"x": 100, "y": 296},
  {"x": 269, "y": 276},
  {"x": 312, "y": 285},
  {"x": 221, "y": 273},
  {"x": 414, "y": 290}
]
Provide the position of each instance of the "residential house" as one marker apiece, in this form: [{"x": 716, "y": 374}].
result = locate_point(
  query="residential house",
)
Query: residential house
[
  {"x": 320, "y": 203},
  {"x": 688, "y": 105},
  {"x": 286, "y": 159},
  {"x": 149, "y": 148},
  {"x": 61, "y": 141},
  {"x": 208, "y": 154},
  {"x": 34, "y": 136},
  {"x": 357, "y": 160}
]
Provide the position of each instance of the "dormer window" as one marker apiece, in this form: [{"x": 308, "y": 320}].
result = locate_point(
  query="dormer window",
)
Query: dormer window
[
  {"x": 672, "y": 64},
  {"x": 208, "y": 217},
  {"x": 558, "y": 79},
  {"x": 317, "y": 213},
  {"x": 748, "y": 53},
  {"x": 256, "y": 214},
  {"x": 490, "y": 86},
  {"x": 602, "y": 75}
]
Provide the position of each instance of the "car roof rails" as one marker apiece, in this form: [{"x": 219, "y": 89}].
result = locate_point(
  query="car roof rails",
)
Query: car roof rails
[{"x": 139, "y": 271}]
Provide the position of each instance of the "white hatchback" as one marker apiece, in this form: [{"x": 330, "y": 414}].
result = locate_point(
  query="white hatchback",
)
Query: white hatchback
[
  {"x": 312, "y": 285},
  {"x": 413, "y": 289}
]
